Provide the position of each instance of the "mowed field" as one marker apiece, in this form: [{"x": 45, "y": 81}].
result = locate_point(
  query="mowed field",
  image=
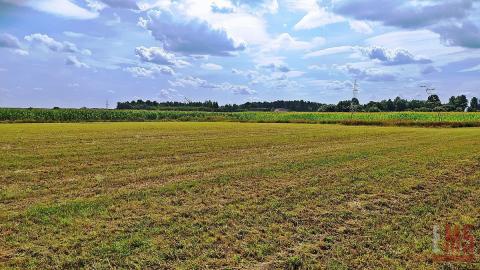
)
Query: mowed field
[{"x": 232, "y": 195}]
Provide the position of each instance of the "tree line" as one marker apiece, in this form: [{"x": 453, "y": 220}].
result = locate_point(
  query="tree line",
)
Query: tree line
[
  {"x": 432, "y": 104},
  {"x": 169, "y": 105}
]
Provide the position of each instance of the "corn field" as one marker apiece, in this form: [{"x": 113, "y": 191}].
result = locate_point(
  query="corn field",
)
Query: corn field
[{"x": 453, "y": 119}]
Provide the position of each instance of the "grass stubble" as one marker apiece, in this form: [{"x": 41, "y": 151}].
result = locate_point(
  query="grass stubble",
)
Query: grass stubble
[{"x": 232, "y": 195}]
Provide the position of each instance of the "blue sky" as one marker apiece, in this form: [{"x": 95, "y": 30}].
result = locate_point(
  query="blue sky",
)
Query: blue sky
[{"x": 74, "y": 53}]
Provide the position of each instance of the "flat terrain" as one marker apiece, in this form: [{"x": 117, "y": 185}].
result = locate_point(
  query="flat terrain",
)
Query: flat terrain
[{"x": 232, "y": 195}]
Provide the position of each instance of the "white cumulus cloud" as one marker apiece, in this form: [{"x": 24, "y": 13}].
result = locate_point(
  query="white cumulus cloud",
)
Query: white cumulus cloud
[
  {"x": 149, "y": 72},
  {"x": 54, "y": 45},
  {"x": 367, "y": 74},
  {"x": 189, "y": 36},
  {"x": 64, "y": 8},
  {"x": 318, "y": 17},
  {"x": 159, "y": 56},
  {"x": 191, "y": 81},
  {"x": 72, "y": 60},
  {"x": 393, "y": 56},
  {"x": 9, "y": 41},
  {"x": 211, "y": 66}
]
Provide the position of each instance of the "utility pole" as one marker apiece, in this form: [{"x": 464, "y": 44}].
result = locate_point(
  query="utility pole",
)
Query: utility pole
[
  {"x": 355, "y": 90},
  {"x": 355, "y": 97}
]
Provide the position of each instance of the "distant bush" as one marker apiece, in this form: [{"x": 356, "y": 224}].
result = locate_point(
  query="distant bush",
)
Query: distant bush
[{"x": 373, "y": 109}]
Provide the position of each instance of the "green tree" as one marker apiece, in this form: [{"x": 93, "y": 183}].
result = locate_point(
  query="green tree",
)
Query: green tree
[
  {"x": 400, "y": 104},
  {"x": 433, "y": 101},
  {"x": 344, "y": 106},
  {"x": 390, "y": 105},
  {"x": 462, "y": 102},
  {"x": 474, "y": 104},
  {"x": 452, "y": 100},
  {"x": 327, "y": 108}
]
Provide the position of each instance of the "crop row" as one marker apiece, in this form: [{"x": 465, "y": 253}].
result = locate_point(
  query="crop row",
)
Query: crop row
[{"x": 90, "y": 115}]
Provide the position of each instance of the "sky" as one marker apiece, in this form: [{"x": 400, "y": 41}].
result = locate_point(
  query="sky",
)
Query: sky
[{"x": 75, "y": 53}]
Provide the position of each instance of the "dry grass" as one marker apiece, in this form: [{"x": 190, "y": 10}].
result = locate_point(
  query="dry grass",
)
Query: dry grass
[{"x": 231, "y": 195}]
